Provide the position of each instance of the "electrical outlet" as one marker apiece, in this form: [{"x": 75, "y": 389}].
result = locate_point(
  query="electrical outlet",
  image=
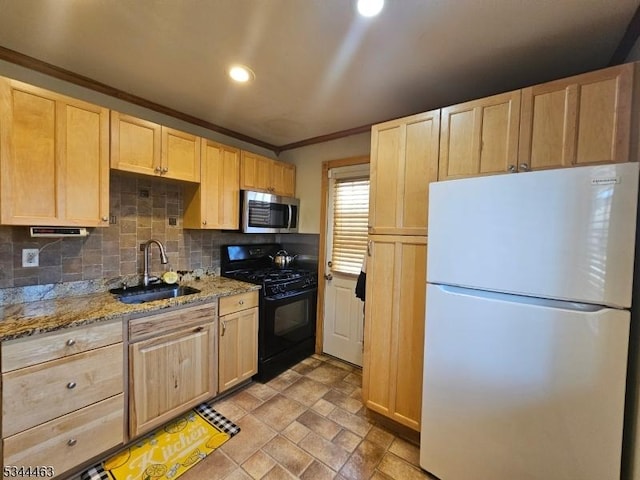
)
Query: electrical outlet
[{"x": 30, "y": 257}]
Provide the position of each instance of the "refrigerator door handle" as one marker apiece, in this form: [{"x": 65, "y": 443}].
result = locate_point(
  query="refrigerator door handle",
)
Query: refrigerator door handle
[{"x": 523, "y": 299}]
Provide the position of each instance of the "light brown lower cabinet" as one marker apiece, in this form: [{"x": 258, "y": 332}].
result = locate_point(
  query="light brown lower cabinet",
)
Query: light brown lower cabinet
[
  {"x": 69, "y": 440},
  {"x": 171, "y": 365},
  {"x": 394, "y": 327},
  {"x": 62, "y": 397},
  {"x": 237, "y": 339}
]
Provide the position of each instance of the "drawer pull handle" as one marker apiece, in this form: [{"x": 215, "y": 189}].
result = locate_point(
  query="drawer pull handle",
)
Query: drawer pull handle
[
  {"x": 71, "y": 342},
  {"x": 198, "y": 329},
  {"x": 71, "y": 385},
  {"x": 224, "y": 328},
  {"x": 71, "y": 442},
  {"x": 241, "y": 302}
]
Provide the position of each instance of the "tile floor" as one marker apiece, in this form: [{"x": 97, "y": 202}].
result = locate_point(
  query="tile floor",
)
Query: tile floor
[{"x": 307, "y": 423}]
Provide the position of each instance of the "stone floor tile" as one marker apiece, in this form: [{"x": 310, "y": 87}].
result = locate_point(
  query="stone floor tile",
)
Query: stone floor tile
[
  {"x": 319, "y": 424},
  {"x": 261, "y": 391},
  {"x": 363, "y": 461},
  {"x": 289, "y": 455},
  {"x": 253, "y": 435},
  {"x": 245, "y": 400},
  {"x": 405, "y": 450},
  {"x": 323, "y": 407},
  {"x": 328, "y": 453},
  {"x": 358, "y": 425},
  {"x": 306, "y": 391},
  {"x": 237, "y": 474},
  {"x": 354, "y": 378},
  {"x": 295, "y": 431},
  {"x": 349, "y": 404},
  {"x": 347, "y": 440},
  {"x": 318, "y": 471},
  {"x": 278, "y": 472},
  {"x": 283, "y": 380},
  {"x": 328, "y": 374},
  {"x": 279, "y": 411},
  {"x": 229, "y": 409},
  {"x": 258, "y": 464},
  {"x": 380, "y": 436},
  {"x": 395, "y": 467},
  {"x": 215, "y": 466}
]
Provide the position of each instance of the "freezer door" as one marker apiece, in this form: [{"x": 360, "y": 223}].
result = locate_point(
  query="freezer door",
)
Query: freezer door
[
  {"x": 521, "y": 388},
  {"x": 567, "y": 234}
]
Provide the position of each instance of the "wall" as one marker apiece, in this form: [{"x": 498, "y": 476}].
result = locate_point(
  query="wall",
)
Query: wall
[
  {"x": 308, "y": 161},
  {"x": 143, "y": 208},
  {"x": 634, "y": 55}
]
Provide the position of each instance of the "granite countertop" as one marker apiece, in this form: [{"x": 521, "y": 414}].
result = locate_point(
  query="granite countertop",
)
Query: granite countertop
[{"x": 28, "y": 318}]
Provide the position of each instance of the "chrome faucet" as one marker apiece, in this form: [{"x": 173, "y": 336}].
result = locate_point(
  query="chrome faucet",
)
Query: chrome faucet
[{"x": 163, "y": 259}]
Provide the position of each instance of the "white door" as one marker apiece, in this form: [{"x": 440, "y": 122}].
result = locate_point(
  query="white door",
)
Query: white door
[
  {"x": 522, "y": 388},
  {"x": 347, "y": 216}
]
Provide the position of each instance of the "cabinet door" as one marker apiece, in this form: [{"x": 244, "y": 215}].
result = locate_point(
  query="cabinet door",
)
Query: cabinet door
[
  {"x": 284, "y": 178},
  {"x": 169, "y": 374},
  {"x": 135, "y": 144},
  {"x": 578, "y": 120},
  {"x": 180, "y": 155},
  {"x": 54, "y": 158},
  {"x": 255, "y": 172},
  {"x": 394, "y": 327},
  {"x": 404, "y": 160},
  {"x": 480, "y": 137},
  {"x": 238, "y": 348},
  {"x": 214, "y": 203}
]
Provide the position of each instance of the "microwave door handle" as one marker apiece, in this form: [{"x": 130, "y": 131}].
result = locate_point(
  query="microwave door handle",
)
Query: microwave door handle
[{"x": 290, "y": 217}]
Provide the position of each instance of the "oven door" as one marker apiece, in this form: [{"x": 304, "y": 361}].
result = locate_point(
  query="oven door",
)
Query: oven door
[{"x": 286, "y": 322}]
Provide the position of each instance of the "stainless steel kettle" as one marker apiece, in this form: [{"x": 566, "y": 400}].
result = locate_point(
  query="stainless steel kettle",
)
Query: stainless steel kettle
[{"x": 282, "y": 259}]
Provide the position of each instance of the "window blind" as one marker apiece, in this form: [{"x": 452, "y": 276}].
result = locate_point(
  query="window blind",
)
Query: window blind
[{"x": 350, "y": 218}]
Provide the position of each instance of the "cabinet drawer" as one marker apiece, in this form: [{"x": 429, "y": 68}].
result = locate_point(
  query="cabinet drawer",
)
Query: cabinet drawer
[
  {"x": 27, "y": 351},
  {"x": 171, "y": 320},
  {"x": 235, "y": 303},
  {"x": 70, "y": 440},
  {"x": 37, "y": 394}
]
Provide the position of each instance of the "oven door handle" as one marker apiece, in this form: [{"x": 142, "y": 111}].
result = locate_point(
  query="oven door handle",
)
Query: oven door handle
[{"x": 299, "y": 293}]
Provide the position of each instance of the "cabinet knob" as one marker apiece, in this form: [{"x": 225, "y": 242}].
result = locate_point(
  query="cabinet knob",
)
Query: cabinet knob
[
  {"x": 165, "y": 170},
  {"x": 524, "y": 167},
  {"x": 240, "y": 302},
  {"x": 157, "y": 170},
  {"x": 71, "y": 342},
  {"x": 105, "y": 219},
  {"x": 71, "y": 442},
  {"x": 204, "y": 222},
  {"x": 511, "y": 169},
  {"x": 71, "y": 385}
]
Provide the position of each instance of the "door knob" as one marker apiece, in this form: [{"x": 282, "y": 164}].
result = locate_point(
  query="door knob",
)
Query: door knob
[{"x": 328, "y": 276}]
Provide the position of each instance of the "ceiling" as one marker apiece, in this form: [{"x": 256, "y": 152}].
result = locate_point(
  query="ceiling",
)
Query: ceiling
[{"x": 320, "y": 69}]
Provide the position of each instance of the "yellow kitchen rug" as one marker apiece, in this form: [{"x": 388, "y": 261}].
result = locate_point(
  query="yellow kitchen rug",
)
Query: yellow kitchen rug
[{"x": 169, "y": 451}]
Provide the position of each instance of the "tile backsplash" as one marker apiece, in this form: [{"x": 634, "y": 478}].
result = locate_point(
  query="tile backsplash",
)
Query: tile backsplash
[{"x": 141, "y": 208}]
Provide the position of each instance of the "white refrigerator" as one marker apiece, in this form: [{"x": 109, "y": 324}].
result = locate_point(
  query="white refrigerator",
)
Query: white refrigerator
[{"x": 529, "y": 285}]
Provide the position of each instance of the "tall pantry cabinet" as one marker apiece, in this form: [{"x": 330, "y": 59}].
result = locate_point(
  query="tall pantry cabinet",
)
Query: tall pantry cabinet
[{"x": 404, "y": 160}]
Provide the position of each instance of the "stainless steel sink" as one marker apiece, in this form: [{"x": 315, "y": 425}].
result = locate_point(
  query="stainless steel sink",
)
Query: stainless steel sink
[{"x": 142, "y": 294}]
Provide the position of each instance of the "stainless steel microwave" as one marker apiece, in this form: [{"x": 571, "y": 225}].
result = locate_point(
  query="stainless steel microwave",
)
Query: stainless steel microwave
[{"x": 269, "y": 213}]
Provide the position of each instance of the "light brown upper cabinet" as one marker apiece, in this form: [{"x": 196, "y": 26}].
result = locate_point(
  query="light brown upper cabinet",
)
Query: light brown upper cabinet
[
  {"x": 261, "y": 173},
  {"x": 480, "y": 137},
  {"x": 140, "y": 146},
  {"x": 214, "y": 203},
  {"x": 404, "y": 159},
  {"x": 54, "y": 158},
  {"x": 579, "y": 120}
]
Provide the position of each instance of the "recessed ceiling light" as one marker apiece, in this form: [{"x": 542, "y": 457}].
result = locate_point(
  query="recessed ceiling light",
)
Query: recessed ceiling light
[
  {"x": 241, "y": 73},
  {"x": 370, "y": 8}
]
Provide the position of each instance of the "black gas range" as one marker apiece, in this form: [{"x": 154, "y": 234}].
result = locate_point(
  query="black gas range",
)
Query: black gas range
[{"x": 288, "y": 297}]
